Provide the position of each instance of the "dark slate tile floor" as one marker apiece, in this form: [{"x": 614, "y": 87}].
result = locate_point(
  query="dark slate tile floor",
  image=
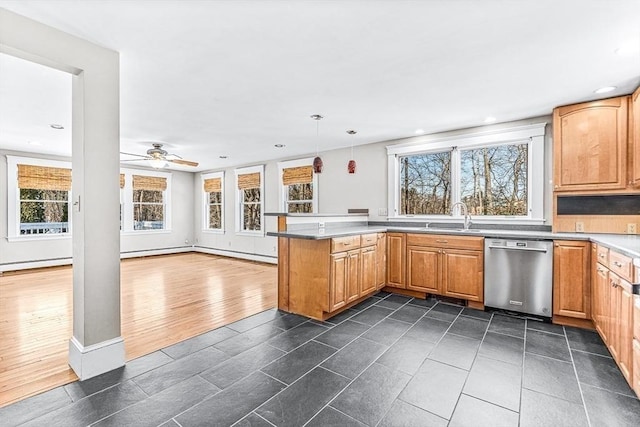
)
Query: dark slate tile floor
[{"x": 389, "y": 361}]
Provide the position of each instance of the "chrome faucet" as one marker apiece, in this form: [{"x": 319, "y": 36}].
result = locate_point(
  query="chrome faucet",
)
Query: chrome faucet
[{"x": 465, "y": 211}]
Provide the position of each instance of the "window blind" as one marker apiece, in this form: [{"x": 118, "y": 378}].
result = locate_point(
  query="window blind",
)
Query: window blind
[
  {"x": 249, "y": 180},
  {"x": 44, "y": 178},
  {"x": 213, "y": 185},
  {"x": 297, "y": 175},
  {"x": 153, "y": 183}
]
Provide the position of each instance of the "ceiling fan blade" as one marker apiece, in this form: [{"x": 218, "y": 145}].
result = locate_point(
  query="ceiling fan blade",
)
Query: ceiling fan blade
[
  {"x": 136, "y": 155},
  {"x": 135, "y": 160},
  {"x": 183, "y": 162}
]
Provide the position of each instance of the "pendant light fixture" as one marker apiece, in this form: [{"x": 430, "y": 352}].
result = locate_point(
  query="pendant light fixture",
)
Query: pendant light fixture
[
  {"x": 351, "y": 166},
  {"x": 317, "y": 162}
]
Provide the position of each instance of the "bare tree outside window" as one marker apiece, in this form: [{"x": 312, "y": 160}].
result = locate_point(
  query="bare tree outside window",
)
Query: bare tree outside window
[
  {"x": 493, "y": 180},
  {"x": 44, "y": 211},
  {"x": 148, "y": 210},
  {"x": 215, "y": 210},
  {"x": 251, "y": 211},
  {"x": 425, "y": 184},
  {"x": 300, "y": 198}
]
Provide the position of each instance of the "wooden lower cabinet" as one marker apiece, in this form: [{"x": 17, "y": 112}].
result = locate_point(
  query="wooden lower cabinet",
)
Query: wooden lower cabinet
[
  {"x": 571, "y": 283},
  {"x": 446, "y": 265},
  {"x": 463, "y": 274},
  {"x": 381, "y": 260},
  {"x": 396, "y": 260},
  {"x": 613, "y": 312},
  {"x": 338, "y": 281},
  {"x": 368, "y": 269},
  {"x": 353, "y": 275},
  {"x": 424, "y": 269}
]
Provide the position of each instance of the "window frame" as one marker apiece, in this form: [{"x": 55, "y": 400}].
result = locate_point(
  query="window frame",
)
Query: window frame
[
  {"x": 205, "y": 203},
  {"x": 127, "y": 190},
  {"x": 282, "y": 194},
  {"x": 532, "y": 134},
  {"x": 13, "y": 199},
  {"x": 239, "y": 227}
]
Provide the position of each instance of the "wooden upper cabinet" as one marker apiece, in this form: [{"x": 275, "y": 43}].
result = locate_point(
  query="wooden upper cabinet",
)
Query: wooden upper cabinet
[
  {"x": 571, "y": 279},
  {"x": 634, "y": 137},
  {"x": 396, "y": 260},
  {"x": 590, "y": 145}
]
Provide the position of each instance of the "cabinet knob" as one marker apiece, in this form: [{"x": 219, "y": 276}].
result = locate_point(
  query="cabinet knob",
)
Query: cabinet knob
[
  {"x": 555, "y": 186},
  {"x": 617, "y": 264}
]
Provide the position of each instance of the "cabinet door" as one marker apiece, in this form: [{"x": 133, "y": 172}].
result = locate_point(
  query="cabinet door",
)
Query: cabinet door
[
  {"x": 396, "y": 260},
  {"x": 368, "y": 270},
  {"x": 462, "y": 274},
  {"x": 590, "y": 145},
  {"x": 614, "y": 316},
  {"x": 353, "y": 275},
  {"x": 381, "y": 260},
  {"x": 338, "y": 282},
  {"x": 625, "y": 345},
  {"x": 571, "y": 285},
  {"x": 601, "y": 302},
  {"x": 634, "y": 138},
  {"x": 424, "y": 269}
]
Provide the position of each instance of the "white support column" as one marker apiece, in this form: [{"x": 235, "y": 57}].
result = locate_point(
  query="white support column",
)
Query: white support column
[{"x": 96, "y": 345}]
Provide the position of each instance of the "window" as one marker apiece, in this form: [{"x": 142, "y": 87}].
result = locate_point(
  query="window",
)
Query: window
[
  {"x": 39, "y": 198},
  {"x": 490, "y": 171},
  {"x": 213, "y": 185},
  {"x": 250, "y": 199},
  {"x": 148, "y": 202},
  {"x": 298, "y": 192},
  {"x": 145, "y": 201}
]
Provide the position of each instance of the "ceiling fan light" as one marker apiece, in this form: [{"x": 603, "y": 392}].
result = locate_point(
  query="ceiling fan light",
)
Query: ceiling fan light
[{"x": 158, "y": 163}]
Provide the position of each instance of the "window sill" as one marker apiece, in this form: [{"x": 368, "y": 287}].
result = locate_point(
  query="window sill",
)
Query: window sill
[
  {"x": 212, "y": 231},
  {"x": 250, "y": 233},
  {"x": 142, "y": 232},
  {"x": 35, "y": 237}
]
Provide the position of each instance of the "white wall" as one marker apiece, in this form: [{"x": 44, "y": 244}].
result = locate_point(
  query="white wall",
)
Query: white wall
[
  {"x": 338, "y": 192},
  {"x": 59, "y": 251}
]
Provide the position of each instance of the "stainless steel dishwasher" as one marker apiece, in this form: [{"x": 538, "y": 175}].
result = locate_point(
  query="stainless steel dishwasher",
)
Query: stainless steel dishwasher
[{"x": 518, "y": 275}]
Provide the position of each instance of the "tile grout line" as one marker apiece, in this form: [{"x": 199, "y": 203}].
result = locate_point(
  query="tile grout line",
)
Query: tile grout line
[
  {"x": 575, "y": 373},
  {"x": 257, "y": 415},
  {"x": 472, "y": 363},
  {"x": 369, "y": 365}
]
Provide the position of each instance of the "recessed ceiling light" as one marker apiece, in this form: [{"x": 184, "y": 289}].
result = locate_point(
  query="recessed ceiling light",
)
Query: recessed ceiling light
[
  {"x": 489, "y": 119},
  {"x": 223, "y": 157},
  {"x": 279, "y": 145},
  {"x": 56, "y": 126},
  {"x": 605, "y": 89},
  {"x": 34, "y": 143},
  {"x": 419, "y": 131},
  {"x": 628, "y": 48}
]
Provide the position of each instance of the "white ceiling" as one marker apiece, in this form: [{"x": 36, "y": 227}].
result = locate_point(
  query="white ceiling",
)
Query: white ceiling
[{"x": 211, "y": 78}]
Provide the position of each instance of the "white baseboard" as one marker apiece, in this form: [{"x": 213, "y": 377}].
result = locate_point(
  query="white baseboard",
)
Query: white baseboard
[
  {"x": 56, "y": 262},
  {"x": 234, "y": 254},
  {"x": 88, "y": 362}
]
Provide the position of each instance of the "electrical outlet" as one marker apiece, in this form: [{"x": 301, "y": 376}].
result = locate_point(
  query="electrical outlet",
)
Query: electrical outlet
[
  {"x": 321, "y": 224},
  {"x": 579, "y": 227},
  {"x": 382, "y": 211},
  {"x": 631, "y": 228}
]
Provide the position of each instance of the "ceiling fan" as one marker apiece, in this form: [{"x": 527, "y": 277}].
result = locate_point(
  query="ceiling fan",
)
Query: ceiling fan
[{"x": 159, "y": 158}]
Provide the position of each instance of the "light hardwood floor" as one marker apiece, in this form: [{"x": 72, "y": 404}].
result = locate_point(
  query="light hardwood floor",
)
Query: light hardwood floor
[{"x": 165, "y": 299}]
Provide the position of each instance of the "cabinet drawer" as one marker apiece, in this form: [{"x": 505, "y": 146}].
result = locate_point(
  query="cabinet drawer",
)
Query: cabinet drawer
[
  {"x": 603, "y": 255},
  {"x": 368, "y": 239},
  {"x": 445, "y": 241},
  {"x": 622, "y": 265},
  {"x": 340, "y": 244}
]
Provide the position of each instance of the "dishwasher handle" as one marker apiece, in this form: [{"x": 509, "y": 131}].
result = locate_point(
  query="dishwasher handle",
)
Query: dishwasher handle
[{"x": 516, "y": 248}]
